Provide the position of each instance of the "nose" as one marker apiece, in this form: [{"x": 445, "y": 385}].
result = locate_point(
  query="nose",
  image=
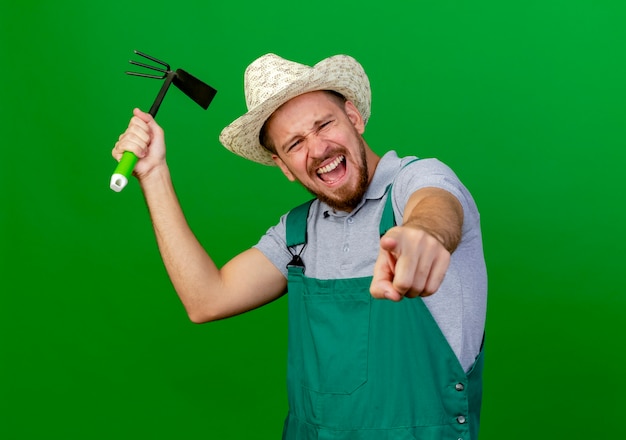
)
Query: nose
[{"x": 317, "y": 146}]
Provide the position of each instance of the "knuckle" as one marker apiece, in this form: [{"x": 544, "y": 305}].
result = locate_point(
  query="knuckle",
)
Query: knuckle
[{"x": 401, "y": 286}]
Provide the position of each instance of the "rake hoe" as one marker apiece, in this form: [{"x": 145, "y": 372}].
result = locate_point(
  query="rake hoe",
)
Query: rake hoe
[{"x": 198, "y": 91}]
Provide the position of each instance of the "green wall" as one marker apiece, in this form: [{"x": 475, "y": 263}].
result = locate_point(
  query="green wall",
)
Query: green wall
[{"x": 524, "y": 99}]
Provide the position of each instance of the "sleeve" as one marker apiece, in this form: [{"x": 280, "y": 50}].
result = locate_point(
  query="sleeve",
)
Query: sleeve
[
  {"x": 274, "y": 245},
  {"x": 432, "y": 173}
]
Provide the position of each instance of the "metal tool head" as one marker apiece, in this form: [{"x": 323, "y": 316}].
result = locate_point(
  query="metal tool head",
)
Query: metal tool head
[{"x": 191, "y": 86}]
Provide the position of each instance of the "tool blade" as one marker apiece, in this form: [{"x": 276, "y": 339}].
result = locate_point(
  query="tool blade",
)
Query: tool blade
[{"x": 191, "y": 86}]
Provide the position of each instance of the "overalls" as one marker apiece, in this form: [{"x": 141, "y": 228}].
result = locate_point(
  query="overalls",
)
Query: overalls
[{"x": 363, "y": 369}]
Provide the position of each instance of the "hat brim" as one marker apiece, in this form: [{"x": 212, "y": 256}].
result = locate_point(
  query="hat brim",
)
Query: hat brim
[{"x": 340, "y": 73}]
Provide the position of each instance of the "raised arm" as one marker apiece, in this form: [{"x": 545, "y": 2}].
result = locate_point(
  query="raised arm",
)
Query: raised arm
[
  {"x": 414, "y": 257},
  {"x": 208, "y": 293}
]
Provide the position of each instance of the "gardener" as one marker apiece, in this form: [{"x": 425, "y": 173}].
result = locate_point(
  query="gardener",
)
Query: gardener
[{"x": 363, "y": 363}]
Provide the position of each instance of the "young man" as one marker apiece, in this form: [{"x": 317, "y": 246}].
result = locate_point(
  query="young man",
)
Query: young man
[{"x": 359, "y": 366}]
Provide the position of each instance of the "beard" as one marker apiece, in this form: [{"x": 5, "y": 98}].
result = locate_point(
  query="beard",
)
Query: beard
[{"x": 348, "y": 198}]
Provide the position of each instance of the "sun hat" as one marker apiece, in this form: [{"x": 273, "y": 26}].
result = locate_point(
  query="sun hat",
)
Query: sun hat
[{"x": 270, "y": 81}]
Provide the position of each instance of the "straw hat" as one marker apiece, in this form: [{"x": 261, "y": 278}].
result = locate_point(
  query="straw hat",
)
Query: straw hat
[{"x": 270, "y": 81}]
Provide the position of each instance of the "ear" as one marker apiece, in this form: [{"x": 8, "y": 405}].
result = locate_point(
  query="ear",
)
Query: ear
[
  {"x": 355, "y": 117},
  {"x": 278, "y": 161}
]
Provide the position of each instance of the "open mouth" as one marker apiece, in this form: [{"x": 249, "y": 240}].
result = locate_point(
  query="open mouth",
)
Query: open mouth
[{"x": 333, "y": 171}]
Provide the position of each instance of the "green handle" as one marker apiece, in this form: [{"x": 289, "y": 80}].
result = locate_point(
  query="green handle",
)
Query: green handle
[{"x": 123, "y": 171}]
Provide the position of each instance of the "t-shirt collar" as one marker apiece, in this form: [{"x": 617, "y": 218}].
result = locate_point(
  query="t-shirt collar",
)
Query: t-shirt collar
[
  {"x": 387, "y": 168},
  {"x": 385, "y": 172}
]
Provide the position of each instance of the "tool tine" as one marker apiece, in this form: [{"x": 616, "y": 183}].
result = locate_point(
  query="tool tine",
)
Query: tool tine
[
  {"x": 162, "y": 63},
  {"x": 145, "y": 75},
  {"x": 148, "y": 66}
]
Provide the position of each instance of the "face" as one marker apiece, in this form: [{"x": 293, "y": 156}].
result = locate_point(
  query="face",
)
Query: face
[{"x": 318, "y": 143}]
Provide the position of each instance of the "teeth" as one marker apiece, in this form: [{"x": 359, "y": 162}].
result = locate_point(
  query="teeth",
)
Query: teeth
[{"x": 331, "y": 166}]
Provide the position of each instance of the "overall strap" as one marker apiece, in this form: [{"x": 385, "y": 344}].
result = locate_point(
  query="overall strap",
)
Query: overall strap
[
  {"x": 296, "y": 232},
  {"x": 296, "y": 224},
  {"x": 388, "y": 219}
]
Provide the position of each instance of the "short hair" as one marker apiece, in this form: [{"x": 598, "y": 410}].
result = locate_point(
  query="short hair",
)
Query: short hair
[{"x": 264, "y": 138}]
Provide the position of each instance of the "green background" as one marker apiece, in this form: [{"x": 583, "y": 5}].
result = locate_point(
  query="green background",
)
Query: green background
[{"x": 524, "y": 99}]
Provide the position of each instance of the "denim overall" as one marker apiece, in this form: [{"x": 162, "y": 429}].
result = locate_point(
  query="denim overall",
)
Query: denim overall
[{"x": 363, "y": 369}]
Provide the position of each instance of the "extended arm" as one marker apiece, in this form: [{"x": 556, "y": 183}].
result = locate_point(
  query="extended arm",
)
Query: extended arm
[
  {"x": 247, "y": 281},
  {"x": 414, "y": 257}
]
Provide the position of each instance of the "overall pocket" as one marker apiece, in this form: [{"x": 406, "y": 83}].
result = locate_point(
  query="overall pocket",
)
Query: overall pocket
[{"x": 335, "y": 334}]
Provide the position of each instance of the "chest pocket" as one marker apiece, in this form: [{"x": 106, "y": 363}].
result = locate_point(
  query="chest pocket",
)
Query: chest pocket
[{"x": 333, "y": 334}]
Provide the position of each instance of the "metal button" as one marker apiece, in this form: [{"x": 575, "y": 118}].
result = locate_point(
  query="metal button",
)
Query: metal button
[
  {"x": 350, "y": 220},
  {"x": 346, "y": 247},
  {"x": 459, "y": 387},
  {"x": 461, "y": 419}
]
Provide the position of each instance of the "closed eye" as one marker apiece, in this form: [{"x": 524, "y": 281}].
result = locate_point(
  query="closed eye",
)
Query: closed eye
[
  {"x": 294, "y": 145},
  {"x": 325, "y": 125}
]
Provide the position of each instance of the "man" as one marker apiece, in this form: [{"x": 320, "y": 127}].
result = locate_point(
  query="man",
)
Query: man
[{"x": 363, "y": 363}]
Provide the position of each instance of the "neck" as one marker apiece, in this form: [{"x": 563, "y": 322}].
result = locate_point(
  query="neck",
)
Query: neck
[{"x": 372, "y": 160}]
